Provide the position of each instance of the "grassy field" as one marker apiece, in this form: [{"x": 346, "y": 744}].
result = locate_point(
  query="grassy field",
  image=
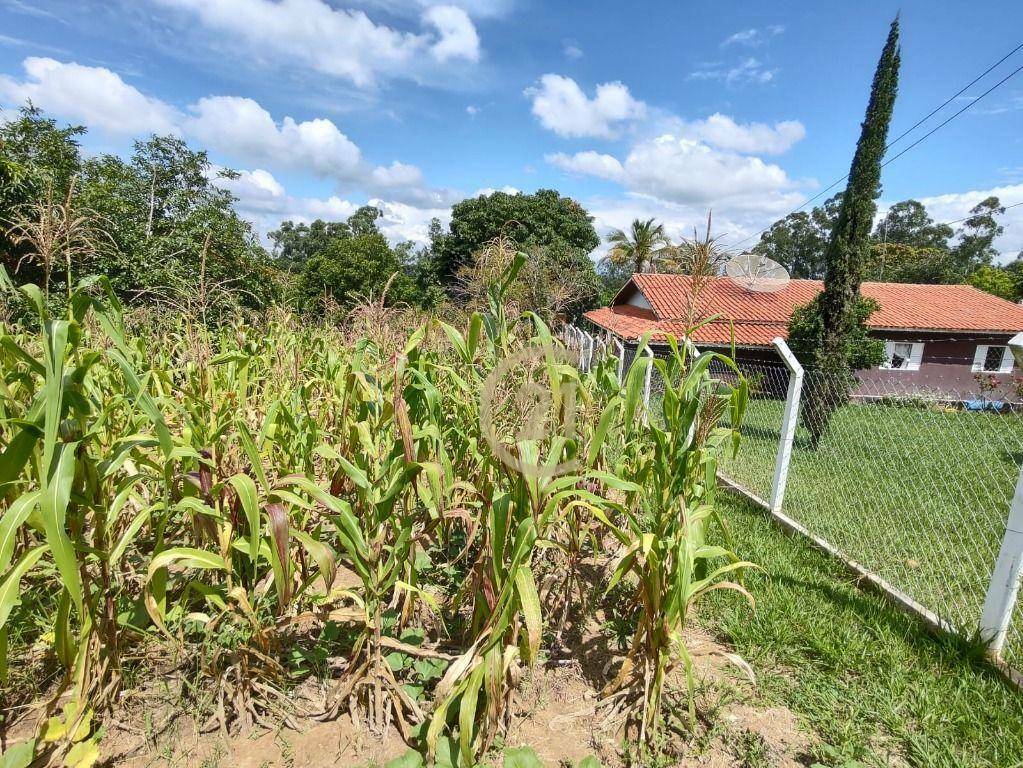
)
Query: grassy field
[
  {"x": 876, "y": 685},
  {"x": 917, "y": 494}
]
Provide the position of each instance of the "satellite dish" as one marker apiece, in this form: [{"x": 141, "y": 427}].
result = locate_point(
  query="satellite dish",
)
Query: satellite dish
[{"x": 753, "y": 272}]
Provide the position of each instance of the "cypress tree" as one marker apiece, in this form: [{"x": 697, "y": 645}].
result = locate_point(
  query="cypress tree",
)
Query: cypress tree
[{"x": 831, "y": 332}]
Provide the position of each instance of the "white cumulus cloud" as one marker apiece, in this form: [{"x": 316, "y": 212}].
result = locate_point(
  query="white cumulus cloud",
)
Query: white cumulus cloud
[
  {"x": 681, "y": 170},
  {"x": 563, "y": 107},
  {"x": 749, "y": 138},
  {"x": 341, "y": 42},
  {"x": 956, "y": 205},
  {"x": 265, "y": 202},
  {"x": 243, "y": 128},
  {"x": 93, "y": 95},
  {"x": 458, "y": 36},
  {"x": 239, "y": 128},
  {"x": 588, "y": 163}
]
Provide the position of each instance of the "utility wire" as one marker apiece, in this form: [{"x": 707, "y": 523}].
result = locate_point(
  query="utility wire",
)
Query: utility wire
[
  {"x": 964, "y": 218},
  {"x": 951, "y": 98},
  {"x": 953, "y": 116},
  {"x": 912, "y": 128}
]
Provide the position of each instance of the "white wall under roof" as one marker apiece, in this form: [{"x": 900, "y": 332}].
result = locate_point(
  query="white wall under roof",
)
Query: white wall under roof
[{"x": 637, "y": 299}]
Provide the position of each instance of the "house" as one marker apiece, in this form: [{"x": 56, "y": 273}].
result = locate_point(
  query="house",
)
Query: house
[{"x": 937, "y": 337}]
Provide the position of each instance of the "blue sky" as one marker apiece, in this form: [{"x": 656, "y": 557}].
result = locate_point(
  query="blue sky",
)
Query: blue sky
[{"x": 657, "y": 109}]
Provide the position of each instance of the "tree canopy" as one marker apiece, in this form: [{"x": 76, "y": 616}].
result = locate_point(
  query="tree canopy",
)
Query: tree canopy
[
  {"x": 906, "y": 245},
  {"x": 160, "y": 228},
  {"x": 161, "y": 225},
  {"x": 543, "y": 219}
]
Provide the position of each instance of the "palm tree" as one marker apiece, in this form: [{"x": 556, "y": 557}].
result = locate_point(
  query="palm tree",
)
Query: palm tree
[{"x": 640, "y": 248}]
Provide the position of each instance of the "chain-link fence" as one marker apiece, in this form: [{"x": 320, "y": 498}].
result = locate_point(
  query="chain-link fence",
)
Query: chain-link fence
[
  {"x": 913, "y": 484},
  {"x": 909, "y": 477}
]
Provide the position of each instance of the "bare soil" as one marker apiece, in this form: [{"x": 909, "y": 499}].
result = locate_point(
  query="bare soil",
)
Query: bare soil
[{"x": 557, "y": 714}]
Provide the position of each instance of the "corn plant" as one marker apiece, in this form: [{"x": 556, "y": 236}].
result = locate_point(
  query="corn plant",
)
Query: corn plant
[
  {"x": 70, "y": 485},
  {"x": 378, "y": 530},
  {"x": 527, "y": 487},
  {"x": 670, "y": 465}
]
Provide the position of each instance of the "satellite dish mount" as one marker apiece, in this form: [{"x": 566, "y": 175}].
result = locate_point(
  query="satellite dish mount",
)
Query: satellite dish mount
[{"x": 757, "y": 274}]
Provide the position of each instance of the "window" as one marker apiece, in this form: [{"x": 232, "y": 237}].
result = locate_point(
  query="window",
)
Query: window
[
  {"x": 992, "y": 358},
  {"x": 903, "y": 355}
]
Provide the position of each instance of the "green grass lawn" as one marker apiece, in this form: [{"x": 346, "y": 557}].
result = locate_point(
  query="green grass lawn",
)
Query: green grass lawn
[
  {"x": 873, "y": 682},
  {"x": 918, "y": 495}
]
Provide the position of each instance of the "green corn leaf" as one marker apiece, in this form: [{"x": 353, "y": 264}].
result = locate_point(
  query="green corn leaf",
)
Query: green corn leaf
[
  {"x": 10, "y": 586},
  {"x": 12, "y": 520},
  {"x": 246, "y": 490},
  {"x": 187, "y": 557},
  {"x": 321, "y": 554},
  {"x": 128, "y": 536},
  {"x": 63, "y": 639},
  {"x": 525, "y": 585},
  {"x": 17, "y": 453},
  {"x": 53, "y": 502},
  {"x": 145, "y": 402},
  {"x": 467, "y": 714},
  {"x": 252, "y": 452}
]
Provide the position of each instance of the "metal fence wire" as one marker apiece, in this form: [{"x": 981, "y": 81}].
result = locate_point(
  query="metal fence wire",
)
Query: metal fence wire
[{"x": 913, "y": 484}]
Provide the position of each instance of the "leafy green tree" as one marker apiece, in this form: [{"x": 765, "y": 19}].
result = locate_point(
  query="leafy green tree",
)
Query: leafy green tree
[
  {"x": 364, "y": 220},
  {"x": 543, "y": 219},
  {"x": 294, "y": 244},
  {"x": 350, "y": 270},
  {"x": 904, "y": 263},
  {"x": 837, "y": 343},
  {"x": 175, "y": 233},
  {"x": 612, "y": 277},
  {"x": 995, "y": 280},
  {"x": 975, "y": 248},
  {"x": 908, "y": 223},
  {"x": 37, "y": 158},
  {"x": 1015, "y": 270},
  {"x": 640, "y": 248},
  {"x": 798, "y": 241}
]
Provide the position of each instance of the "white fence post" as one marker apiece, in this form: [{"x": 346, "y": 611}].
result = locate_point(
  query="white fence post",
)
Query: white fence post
[
  {"x": 646, "y": 383},
  {"x": 621, "y": 360},
  {"x": 788, "y": 424},
  {"x": 1003, "y": 589},
  {"x": 586, "y": 349}
]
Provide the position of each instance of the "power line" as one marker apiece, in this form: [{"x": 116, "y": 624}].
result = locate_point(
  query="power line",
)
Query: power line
[
  {"x": 951, "y": 98},
  {"x": 912, "y": 128},
  {"x": 953, "y": 116},
  {"x": 964, "y": 218}
]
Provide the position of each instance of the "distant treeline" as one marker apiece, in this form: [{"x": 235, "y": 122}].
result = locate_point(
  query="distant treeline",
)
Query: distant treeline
[{"x": 164, "y": 232}]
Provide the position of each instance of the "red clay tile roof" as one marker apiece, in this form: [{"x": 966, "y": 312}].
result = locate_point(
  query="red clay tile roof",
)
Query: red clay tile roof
[{"x": 758, "y": 317}]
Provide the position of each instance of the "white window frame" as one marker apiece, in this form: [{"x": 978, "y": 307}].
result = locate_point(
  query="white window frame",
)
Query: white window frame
[
  {"x": 981, "y": 355},
  {"x": 916, "y": 355}
]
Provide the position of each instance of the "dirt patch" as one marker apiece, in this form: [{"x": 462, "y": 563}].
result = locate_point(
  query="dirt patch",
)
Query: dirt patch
[
  {"x": 315, "y": 745},
  {"x": 557, "y": 713}
]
